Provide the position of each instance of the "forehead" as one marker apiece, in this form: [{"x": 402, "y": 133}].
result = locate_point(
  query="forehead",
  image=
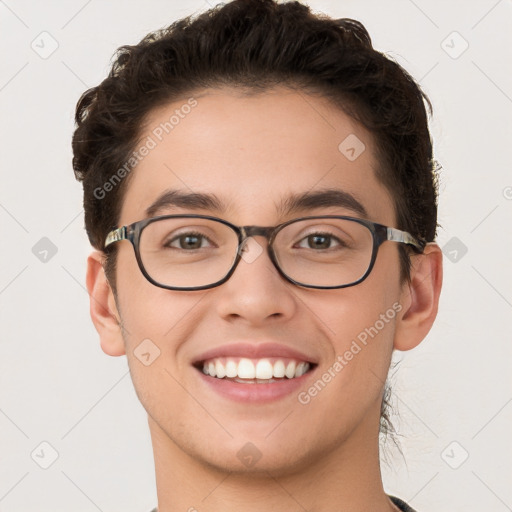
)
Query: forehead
[{"x": 252, "y": 154}]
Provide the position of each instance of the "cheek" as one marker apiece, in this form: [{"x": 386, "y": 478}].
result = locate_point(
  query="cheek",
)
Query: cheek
[
  {"x": 359, "y": 324},
  {"x": 366, "y": 312},
  {"x": 156, "y": 325},
  {"x": 361, "y": 328},
  {"x": 164, "y": 317},
  {"x": 348, "y": 387}
]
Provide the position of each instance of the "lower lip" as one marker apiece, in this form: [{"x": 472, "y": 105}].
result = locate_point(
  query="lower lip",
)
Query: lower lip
[{"x": 255, "y": 393}]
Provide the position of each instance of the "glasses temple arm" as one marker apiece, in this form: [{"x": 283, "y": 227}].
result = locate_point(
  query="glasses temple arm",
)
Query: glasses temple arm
[
  {"x": 116, "y": 235},
  {"x": 396, "y": 235}
]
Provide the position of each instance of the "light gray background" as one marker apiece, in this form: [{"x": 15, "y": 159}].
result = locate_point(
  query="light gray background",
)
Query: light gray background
[{"x": 453, "y": 392}]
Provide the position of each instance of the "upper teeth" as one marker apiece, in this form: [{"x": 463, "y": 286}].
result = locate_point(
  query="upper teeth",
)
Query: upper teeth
[{"x": 254, "y": 369}]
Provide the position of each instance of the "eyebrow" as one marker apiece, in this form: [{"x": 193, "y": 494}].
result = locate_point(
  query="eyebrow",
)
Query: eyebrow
[{"x": 292, "y": 204}]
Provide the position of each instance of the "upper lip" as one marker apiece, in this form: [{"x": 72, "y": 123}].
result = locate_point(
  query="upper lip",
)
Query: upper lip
[{"x": 254, "y": 351}]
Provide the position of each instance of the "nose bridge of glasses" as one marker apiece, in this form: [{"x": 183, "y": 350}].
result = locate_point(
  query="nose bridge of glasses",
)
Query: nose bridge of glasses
[{"x": 248, "y": 231}]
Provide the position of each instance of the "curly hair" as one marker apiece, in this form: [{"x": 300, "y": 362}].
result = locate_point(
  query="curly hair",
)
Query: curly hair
[{"x": 255, "y": 45}]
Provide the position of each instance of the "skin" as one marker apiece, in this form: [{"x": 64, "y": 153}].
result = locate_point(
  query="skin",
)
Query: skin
[{"x": 322, "y": 456}]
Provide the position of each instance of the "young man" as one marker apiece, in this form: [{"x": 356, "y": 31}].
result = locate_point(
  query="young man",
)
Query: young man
[{"x": 260, "y": 191}]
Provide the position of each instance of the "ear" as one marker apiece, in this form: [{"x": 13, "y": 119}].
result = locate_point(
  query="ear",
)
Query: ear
[
  {"x": 103, "y": 309},
  {"x": 420, "y": 298}
]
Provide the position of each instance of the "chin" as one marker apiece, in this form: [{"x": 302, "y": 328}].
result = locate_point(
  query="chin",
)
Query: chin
[{"x": 261, "y": 454}]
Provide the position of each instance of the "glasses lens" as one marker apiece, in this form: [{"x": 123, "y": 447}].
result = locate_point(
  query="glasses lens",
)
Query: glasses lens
[
  {"x": 324, "y": 252},
  {"x": 187, "y": 252}
]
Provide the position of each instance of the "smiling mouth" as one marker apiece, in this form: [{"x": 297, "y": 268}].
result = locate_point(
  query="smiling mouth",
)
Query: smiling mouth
[{"x": 254, "y": 371}]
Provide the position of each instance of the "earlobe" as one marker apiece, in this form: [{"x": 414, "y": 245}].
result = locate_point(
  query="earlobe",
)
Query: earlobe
[
  {"x": 103, "y": 309},
  {"x": 420, "y": 298}
]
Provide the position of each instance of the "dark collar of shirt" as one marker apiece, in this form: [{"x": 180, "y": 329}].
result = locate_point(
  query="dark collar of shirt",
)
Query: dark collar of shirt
[
  {"x": 397, "y": 501},
  {"x": 400, "y": 504}
]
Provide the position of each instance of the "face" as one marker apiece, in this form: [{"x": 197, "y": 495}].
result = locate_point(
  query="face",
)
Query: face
[{"x": 251, "y": 153}]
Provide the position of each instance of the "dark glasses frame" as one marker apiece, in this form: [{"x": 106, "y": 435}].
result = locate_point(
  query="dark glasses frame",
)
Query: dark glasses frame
[{"x": 379, "y": 232}]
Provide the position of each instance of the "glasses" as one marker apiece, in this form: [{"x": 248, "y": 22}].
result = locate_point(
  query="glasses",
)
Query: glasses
[{"x": 196, "y": 252}]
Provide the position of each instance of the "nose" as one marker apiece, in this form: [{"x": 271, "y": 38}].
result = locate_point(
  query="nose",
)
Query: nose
[{"x": 256, "y": 293}]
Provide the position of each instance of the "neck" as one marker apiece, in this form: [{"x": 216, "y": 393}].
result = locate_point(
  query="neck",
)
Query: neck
[{"x": 346, "y": 478}]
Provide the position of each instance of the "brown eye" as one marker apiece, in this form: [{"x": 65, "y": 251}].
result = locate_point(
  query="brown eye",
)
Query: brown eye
[
  {"x": 319, "y": 241},
  {"x": 188, "y": 241}
]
